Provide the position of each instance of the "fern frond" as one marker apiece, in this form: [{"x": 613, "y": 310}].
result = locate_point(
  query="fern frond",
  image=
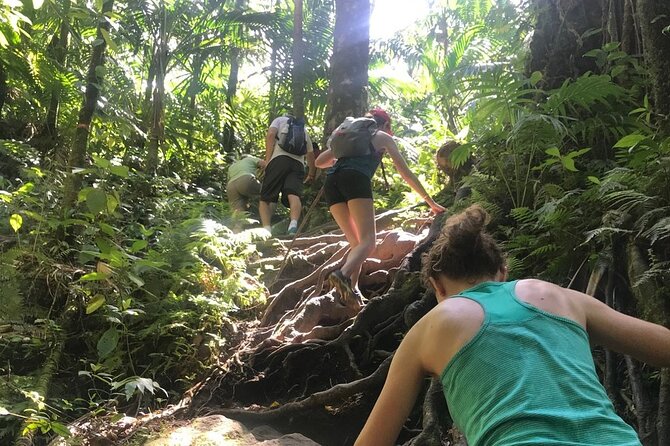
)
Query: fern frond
[
  {"x": 627, "y": 200},
  {"x": 522, "y": 215},
  {"x": 658, "y": 232},
  {"x": 585, "y": 92}
]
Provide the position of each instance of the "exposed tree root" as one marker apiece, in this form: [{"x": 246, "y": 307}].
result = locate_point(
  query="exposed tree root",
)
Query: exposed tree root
[{"x": 310, "y": 351}]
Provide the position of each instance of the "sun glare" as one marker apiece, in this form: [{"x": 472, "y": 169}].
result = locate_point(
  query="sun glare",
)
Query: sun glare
[{"x": 391, "y": 16}]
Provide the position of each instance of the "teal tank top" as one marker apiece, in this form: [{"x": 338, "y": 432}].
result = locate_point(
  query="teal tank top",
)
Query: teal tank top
[
  {"x": 366, "y": 164},
  {"x": 528, "y": 378}
]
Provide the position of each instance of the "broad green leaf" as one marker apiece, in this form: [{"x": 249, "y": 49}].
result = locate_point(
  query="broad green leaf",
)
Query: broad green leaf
[
  {"x": 26, "y": 188},
  {"x": 139, "y": 282},
  {"x": 611, "y": 46},
  {"x": 96, "y": 201},
  {"x": 121, "y": 171},
  {"x": 630, "y": 140},
  {"x": 575, "y": 153},
  {"x": 60, "y": 429},
  {"x": 84, "y": 193},
  {"x": 35, "y": 216},
  {"x": 16, "y": 221},
  {"x": 593, "y": 53},
  {"x": 535, "y": 78},
  {"x": 569, "y": 164},
  {"x": 108, "y": 342},
  {"x": 593, "y": 179},
  {"x": 110, "y": 43},
  {"x": 138, "y": 245},
  {"x": 112, "y": 203},
  {"x": 101, "y": 162},
  {"x": 553, "y": 151},
  {"x": 93, "y": 276},
  {"x": 107, "y": 229},
  {"x": 95, "y": 303},
  {"x": 98, "y": 5}
]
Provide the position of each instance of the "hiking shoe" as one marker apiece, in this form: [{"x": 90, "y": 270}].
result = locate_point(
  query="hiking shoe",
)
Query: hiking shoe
[
  {"x": 342, "y": 285},
  {"x": 292, "y": 230}
]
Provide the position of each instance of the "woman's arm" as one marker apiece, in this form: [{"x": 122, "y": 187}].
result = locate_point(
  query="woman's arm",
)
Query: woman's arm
[
  {"x": 382, "y": 139},
  {"x": 398, "y": 396},
  {"x": 625, "y": 334},
  {"x": 325, "y": 159}
]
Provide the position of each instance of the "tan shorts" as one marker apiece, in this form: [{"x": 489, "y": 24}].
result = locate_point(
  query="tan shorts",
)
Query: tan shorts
[{"x": 241, "y": 190}]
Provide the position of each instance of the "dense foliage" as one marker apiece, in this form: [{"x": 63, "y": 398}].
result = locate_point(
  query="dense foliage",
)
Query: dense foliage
[{"x": 124, "y": 299}]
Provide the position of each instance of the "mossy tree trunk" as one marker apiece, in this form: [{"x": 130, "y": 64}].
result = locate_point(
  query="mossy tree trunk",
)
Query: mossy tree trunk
[
  {"x": 347, "y": 93},
  {"x": 559, "y": 39},
  {"x": 654, "y": 18},
  {"x": 94, "y": 80},
  {"x": 157, "y": 129},
  {"x": 59, "y": 51}
]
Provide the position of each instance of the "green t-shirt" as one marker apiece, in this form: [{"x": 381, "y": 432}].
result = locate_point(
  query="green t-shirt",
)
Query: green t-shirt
[{"x": 244, "y": 166}]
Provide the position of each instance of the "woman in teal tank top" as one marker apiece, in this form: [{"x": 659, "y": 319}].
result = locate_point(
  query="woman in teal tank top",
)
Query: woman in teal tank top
[{"x": 513, "y": 358}]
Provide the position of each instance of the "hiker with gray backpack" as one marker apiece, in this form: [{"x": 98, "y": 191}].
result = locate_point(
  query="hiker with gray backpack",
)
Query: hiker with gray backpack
[
  {"x": 355, "y": 150},
  {"x": 287, "y": 147}
]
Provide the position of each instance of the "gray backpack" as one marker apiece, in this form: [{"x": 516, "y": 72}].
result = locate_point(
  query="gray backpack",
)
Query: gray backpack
[{"x": 353, "y": 138}]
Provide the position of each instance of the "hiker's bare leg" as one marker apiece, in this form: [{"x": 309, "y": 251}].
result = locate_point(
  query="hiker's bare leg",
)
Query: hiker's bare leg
[
  {"x": 340, "y": 213},
  {"x": 265, "y": 210},
  {"x": 295, "y": 205},
  {"x": 362, "y": 212}
]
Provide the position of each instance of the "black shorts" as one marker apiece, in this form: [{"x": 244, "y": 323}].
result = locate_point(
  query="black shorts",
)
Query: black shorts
[
  {"x": 283, "y": 175},
  {"x": 345, "y": 185}
]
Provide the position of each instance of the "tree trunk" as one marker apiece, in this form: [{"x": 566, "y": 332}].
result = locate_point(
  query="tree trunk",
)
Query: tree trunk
[
  {"x": 157, "y": 130},
  {"x": 94, "y": 80},
  {"x": 231, "y": 91},
  {"x": 349, "y": 62},
  {"x": 272, "y": 97},
  {"x": 654, "y": 17},
  {"x": 151, "y": 77},
  {"x": 59, "y": 55},
  {"x": 557, "y": 46},
  {"x": 3, "y": 86},
  {"x": 298, "y": 78},
  {"x": 193, "y": 90},
  {"x": 663, "y": 422},
  {"x": 630, "y": 33}
]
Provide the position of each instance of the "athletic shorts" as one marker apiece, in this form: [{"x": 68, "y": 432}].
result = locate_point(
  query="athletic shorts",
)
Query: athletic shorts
[
  {"x": 283, "y": 175},
  {"x": 241, "y": 190},
  {"x": 345, "y": 185}
]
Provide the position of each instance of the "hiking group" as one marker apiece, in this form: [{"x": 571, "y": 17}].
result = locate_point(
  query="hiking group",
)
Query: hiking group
[
  {"x": 354, "y": 152},
  {"x": 513, "y": 358}
]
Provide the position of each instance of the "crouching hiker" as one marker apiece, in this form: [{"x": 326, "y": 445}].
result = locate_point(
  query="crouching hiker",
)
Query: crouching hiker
[
  {"x": 513, "y": 358},
  {"x": 243, "y": 184},
  {"x": 356, "y": 149}
]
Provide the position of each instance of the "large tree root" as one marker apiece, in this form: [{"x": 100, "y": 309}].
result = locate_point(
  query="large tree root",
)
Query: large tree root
[{"x": 311, "y": 352}]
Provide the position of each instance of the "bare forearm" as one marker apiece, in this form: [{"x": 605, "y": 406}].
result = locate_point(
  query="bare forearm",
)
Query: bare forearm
[
  {"x": 269, "y": 147},
  {"x": 325, "y": 159}
]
